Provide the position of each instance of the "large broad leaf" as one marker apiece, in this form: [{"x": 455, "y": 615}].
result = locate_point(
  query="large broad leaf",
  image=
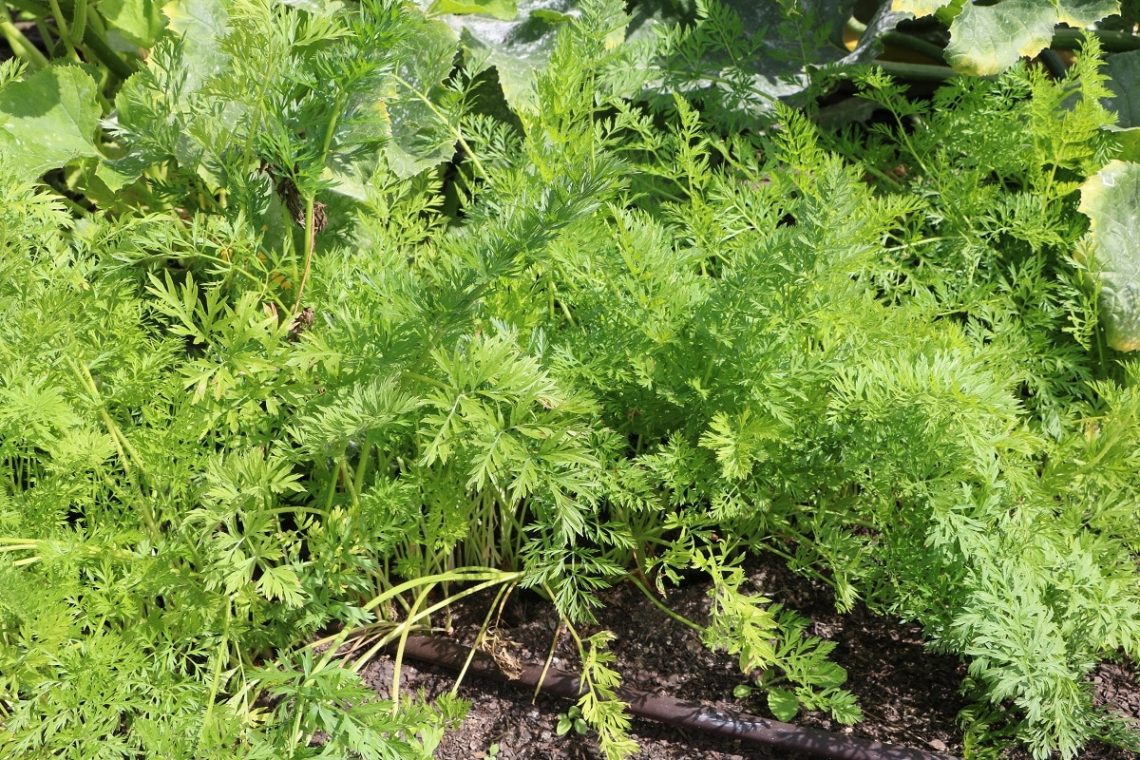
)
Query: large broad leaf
[
  {"x": 419, "y": 134},
  {"x": 748, "y": 54},
  {"x": 1111, "y": 200},
  {"x": 49, "y": 119},
  {"x": 517, "y": 48},
  {"x": 1123, "y": 70},
  {"x": 919, "y": 7},
  {"x": 201, "y": 25},
  {"x": 504, "y": 10},
  {"x": 988, "y": 38},
  {"x": 138, "y": 21}
]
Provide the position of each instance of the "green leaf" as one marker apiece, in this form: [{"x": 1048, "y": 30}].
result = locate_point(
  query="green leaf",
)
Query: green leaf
[
  {"x": 1123, "y": 70},
  {"x": 745, "y": 56},
  {"x": 282, "y": 583},
  {"x": 201, "y": 24},
  {"x": 517, "y": 46},
  {"x": 1111, "y": 199},
  {"x": 49, "y": 119},
  {"x": 140, "y": 21},
  {"x": 505, "y": 10},
  {"x": 783, "y": 703},
  {"x": 988, "y": 39},
  {"x": 918, "y": 7},
  {"x": 1081, "y": 13},
  {"x": 420, "y": 137}
]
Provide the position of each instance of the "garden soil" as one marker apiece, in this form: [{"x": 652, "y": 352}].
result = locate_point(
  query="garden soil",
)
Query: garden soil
[{"x": 908, "y": 696}]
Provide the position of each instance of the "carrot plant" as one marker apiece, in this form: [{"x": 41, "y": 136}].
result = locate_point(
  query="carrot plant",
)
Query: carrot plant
[{"x": 320, "y": 350}]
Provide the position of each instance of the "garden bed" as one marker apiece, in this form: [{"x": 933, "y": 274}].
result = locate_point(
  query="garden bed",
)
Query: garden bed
[{"x": 909, "y": 696}]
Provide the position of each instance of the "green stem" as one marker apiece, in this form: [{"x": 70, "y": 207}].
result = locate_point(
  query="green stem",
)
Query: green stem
[
  {"x": 98, "y": 46},
  {"x": 913, "y": 44},
  {"x": 215, "y": 681},
  {"x": 128, "y": 455},
  {"x": 64, "y": 33},
  {"x": 663, "y": 607},
  {"x": 458, "y": 135},
  {"x": 310, "y": 245},
  {"x": 1053, "y": 63},
  {"x": 1112, "y": 42},
  {"x": 20, "y": 44},
  {"x": 920, "y": 72},
  {"x": 79, "y": 20}
]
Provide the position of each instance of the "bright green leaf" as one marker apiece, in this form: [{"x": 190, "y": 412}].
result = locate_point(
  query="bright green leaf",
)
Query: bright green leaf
[
  {"x": 49, "y": 119},
  {"x": 201, "y": 24},
  {"x": 918, "y": 7},
  {"x": 517, "y": 48},
  {"x": 140, "y": 21},
  {"x": 783, "y": 703},
  {"x": 1081, "y": 13},
  {"x": 988, "y": 39},
  {"x": 1111, "y": 199},
  {"x": 505, "y": 10},
  {"x": 420, "y": 137}
]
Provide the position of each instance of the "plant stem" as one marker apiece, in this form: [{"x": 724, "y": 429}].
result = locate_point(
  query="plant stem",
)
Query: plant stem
[
  {"x": 1112, "y": 42},
  {"x": 20, "y": 44},
  {"x": 663, "y": 607},
  {"x": 79, "y": 20},
  {"x": 93, "y": 38},
  {"x": 310, "y": 245},
  {"x": 920, "y": 72},
  {"x": 913, "y": 44},
  {"x": 64, "y": 32}
]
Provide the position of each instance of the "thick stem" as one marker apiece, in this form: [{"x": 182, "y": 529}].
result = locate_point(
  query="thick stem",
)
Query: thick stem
[{"x": 21, "y": 45}]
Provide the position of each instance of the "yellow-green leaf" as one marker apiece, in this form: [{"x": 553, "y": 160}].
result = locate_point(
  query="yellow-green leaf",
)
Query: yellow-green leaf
[
  {"x": 918, "y": 7},
  {"x": 1111, "y": 200},
  {"x": 201, "y": 24},
  {"x": 1081, "y": 13},
  {"x": 140, "y": 21},
  {"x": 49, "y": 119},
  {"x": 504, "y": 10},
  {"x": 988, "y": 39}
]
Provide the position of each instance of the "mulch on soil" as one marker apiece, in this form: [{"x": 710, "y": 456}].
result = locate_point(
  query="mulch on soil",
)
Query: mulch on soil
[{"x": 909, "y": 696}]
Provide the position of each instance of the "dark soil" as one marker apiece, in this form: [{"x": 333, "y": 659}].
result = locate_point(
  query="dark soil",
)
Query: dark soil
[{"x": 909, "y": 696}]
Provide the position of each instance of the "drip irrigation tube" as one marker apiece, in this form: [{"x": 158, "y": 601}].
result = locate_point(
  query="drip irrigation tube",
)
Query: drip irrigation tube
[{"x": 677, "y": 712}]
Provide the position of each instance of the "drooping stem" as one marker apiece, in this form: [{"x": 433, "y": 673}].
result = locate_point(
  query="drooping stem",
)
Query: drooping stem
[{"x": 20, "y": 44}]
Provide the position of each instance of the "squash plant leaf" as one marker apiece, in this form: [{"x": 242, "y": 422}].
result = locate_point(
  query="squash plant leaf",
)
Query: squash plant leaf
[
  {"x": 139, "y": 22},
  {"x": 918, "y": 7},
  {"x": 771, "y": 53},
  {"x": 201, "y": 24},
  {"x": 49, "y": 119},
  {"x": 517, "y": 45},
  {"x": 1111, "y": 199},
  {"x": 504, "y": 10},
  {"x": 989, "y": 38},
  {"x": 419, "y": 135},
  {"x": 1123, "y": 71}
]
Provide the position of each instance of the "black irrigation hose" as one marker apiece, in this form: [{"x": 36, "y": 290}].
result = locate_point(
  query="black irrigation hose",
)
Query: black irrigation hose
[{"x": 677, "y": 712}]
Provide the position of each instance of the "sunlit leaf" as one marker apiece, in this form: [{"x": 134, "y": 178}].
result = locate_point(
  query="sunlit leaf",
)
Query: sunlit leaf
[
  {"x": 500, "y": 9},
  {"x": 1111, "y": 199},
  {"x": 49, "y": 119}
]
